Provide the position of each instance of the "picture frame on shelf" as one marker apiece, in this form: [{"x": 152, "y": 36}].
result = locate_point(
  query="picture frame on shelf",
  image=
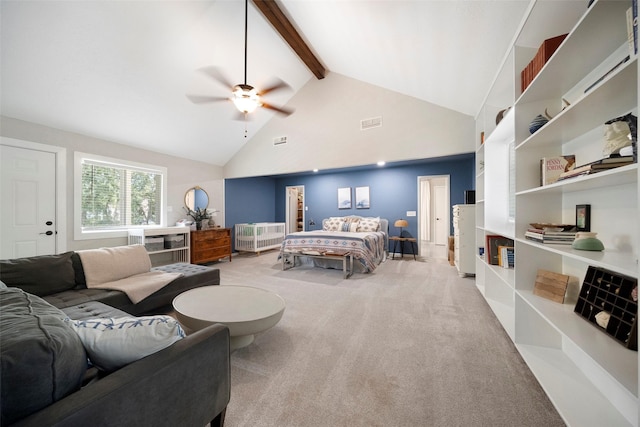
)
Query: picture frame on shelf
[
  {"x": 344, "y": 198},
  {"x": 583, "y": 217}
]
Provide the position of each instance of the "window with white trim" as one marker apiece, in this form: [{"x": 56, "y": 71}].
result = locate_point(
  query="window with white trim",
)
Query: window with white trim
[{"x": 112, "y": 195}]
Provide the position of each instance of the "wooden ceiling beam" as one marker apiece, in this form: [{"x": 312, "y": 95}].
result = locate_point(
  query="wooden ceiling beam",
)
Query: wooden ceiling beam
[{"x": 281, "y": 23}]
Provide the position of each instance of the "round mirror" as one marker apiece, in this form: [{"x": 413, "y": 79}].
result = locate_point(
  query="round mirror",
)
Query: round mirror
[{"x": 196, "y": 198}]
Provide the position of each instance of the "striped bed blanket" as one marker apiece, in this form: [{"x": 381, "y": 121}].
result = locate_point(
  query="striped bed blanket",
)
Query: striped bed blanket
[{"x": 367, "y": 247}]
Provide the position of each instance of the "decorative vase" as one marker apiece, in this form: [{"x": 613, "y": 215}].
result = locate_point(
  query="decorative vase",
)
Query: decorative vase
[
  {"x": 198, "y": 225},
  {"x": 537, "y": 123},
  {"x": 587, "y": 241}
]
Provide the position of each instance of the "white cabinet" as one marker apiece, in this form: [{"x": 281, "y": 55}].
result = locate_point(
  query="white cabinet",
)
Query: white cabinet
[
  {"x": 464, "y": 249},
  {"x": 590, "y": 378},
  {"x": 164, "y": 244}
]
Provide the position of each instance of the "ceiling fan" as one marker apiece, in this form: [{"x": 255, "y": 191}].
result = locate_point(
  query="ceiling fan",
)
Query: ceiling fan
[{"x": 245, "y": 97}]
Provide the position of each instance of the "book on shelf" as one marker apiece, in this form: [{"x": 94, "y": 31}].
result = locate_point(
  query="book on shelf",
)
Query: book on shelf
[
  {"x": 606, "y": 163},
  {"x": 492, "y": 245},
  {"x": 551, "y": 168},
  {"x": 506, "y": 256}
]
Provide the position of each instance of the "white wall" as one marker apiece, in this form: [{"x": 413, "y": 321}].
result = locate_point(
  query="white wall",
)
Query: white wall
[
  {"x": 182, "y": 173},
  {"x": 324, "y": 131}
]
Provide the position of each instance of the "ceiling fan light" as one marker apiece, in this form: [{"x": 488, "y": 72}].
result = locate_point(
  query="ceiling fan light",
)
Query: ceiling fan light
[{"x": 245, "y": 98}]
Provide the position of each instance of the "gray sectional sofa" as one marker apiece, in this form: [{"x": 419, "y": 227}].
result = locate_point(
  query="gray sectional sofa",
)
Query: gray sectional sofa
[{"x": 48, "y": 377}]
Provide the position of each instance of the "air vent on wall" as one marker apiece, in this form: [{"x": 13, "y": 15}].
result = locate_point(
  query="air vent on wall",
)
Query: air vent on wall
[
  {"x": 374, "y": 122},
  {"x": 280, "y": 140}
]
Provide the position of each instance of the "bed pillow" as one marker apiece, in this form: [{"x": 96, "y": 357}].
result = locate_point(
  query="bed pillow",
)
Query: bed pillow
[
  {"x": 348, "y": 226},
  {"x": 369, "y": 224},
  {"x": 115, "y": 342},
  {"x": 332, "y": 224}
]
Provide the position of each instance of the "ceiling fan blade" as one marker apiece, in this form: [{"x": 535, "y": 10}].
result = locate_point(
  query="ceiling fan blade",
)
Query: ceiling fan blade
[
  {"x": 201, "y": 99},
  {"x": 277, "y": 85},
  {"x": 217, "y": 75},
  {"x": 280, "y": 110}
]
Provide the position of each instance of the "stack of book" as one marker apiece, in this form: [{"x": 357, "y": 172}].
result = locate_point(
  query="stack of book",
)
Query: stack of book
[
  {"x": 542, "y": 235},
  {"x": 598, "y": 166}
]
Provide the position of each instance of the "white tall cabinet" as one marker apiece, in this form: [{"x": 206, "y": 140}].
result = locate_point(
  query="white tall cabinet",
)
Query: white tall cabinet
[
  {"x": 591, "y": 378},
  {"x": 464, "y": 247}
]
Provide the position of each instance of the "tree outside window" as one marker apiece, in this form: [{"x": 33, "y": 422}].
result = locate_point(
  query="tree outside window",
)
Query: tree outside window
[{"x": 114, "y": 196}]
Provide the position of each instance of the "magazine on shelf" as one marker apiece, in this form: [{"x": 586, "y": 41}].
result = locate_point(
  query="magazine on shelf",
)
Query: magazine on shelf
[
  {"x": 554, "y": 237},
  {"x": 606, "y": 163}
]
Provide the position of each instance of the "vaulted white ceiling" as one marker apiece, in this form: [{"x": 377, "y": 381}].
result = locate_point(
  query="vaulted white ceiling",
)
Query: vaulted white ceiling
[{"x": 120, "y": 70}]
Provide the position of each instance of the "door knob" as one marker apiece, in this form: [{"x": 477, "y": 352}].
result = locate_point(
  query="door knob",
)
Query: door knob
[
  {"x": 48, "y": 233},
  {"x": 49, "y": 223}
]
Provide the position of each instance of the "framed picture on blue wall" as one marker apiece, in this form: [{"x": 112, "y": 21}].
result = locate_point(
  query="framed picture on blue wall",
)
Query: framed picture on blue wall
[
  {"x": 362, "y": 198},
  {"x": 344, "y": 198}
]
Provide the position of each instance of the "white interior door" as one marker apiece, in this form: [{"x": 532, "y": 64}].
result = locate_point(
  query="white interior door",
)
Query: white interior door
[
  {"x": 441, "y": 214},
  {"x": 292, "y": 210},
  {"x": 28, "y": 195}
]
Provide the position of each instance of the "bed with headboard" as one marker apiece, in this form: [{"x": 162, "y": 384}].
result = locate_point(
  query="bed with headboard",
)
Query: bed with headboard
[{"x": 364, "y": 238}]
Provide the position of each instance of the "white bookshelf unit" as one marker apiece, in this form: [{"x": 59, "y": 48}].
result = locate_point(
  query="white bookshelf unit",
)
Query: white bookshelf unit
[
  {"x": 591, "y": 379},
  {"x": 165, "y": 253}
]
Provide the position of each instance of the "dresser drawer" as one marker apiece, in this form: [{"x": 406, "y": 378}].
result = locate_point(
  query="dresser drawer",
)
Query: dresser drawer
[
  {"x": 214, "y": 243},
  {"x": 210, "y": 254}
]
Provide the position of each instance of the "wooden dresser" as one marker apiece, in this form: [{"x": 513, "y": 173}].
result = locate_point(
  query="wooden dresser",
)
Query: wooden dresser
[{"x": 210, "y": 245}]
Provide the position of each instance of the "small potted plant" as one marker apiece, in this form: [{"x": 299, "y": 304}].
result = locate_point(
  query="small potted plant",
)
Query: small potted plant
[{"x": 198, "y": 216}]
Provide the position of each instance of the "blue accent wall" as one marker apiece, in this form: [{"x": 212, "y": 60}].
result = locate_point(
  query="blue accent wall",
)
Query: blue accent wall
[
  {"x": 393, "y": 190},
  {"x": 250, "y": 200}
]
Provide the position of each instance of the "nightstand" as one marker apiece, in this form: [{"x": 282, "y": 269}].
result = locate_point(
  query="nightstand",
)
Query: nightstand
[{"x": 402, "y": 240}]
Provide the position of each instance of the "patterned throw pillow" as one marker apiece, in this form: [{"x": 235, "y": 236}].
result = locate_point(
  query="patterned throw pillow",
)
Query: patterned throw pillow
[
  {"x": 369, "y": 224},
  {"x": 113, "y": 343},
  {"x": 348, "y": 226},
  {"x": 331, "y": 224}
]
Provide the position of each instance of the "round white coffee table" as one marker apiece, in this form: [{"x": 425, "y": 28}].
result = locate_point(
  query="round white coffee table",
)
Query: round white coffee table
[{"x": 244, "y": 310}]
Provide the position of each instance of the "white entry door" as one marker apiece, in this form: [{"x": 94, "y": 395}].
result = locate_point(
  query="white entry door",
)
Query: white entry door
[
  {"x": 28, "y": 202},
  {"x": 441, "y": 214}
]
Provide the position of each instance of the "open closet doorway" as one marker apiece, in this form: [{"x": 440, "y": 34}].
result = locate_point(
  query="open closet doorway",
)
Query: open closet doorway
[
  {"x": 434, "y": 216},
  {"x": 295, "y": 208}
]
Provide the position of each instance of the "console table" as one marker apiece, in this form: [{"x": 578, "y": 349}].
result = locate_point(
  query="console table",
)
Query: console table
[{"x": 210, "y": 245}]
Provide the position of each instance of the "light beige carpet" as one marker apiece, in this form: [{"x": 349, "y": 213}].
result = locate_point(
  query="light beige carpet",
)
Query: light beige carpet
[{"x": 411, "y": 344}]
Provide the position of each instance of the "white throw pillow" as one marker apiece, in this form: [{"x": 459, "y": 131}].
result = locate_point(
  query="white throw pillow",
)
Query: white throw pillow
[{"x": 115, "y": 342}]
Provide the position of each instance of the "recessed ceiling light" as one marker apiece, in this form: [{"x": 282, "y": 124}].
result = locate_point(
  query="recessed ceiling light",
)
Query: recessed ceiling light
[
  {"x": 315, "y": 170},
  {"x": 381, "y": 163}
]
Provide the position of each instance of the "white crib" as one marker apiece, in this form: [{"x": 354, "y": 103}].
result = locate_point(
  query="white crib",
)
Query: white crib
[{"x": 259, "y": 237}]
